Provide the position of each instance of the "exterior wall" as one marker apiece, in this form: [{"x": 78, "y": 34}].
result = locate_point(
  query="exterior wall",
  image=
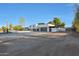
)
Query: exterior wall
[
  {"x": 43, "y": 29},
  {"x": 54, "y": 30},
  {"x": 46, "y": 28},
  {"x": 58, "y": 30}
]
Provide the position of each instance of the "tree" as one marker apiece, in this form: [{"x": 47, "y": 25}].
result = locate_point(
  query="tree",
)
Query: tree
[
  {"x": 10, "y": 26},
  {"x": 22, "y": 21},
  {"x": 50, "y": 22},
  {"x": 76, "y": 20},
  {"x": 4, "y": 28},
  {"x": 18, "y": 27},
  {"x": 57, "y": 22},
  {"x": 62, "y": 25}
]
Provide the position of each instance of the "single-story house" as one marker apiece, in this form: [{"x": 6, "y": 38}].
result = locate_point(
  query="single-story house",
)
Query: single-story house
[{"x": 42, "y": 27}]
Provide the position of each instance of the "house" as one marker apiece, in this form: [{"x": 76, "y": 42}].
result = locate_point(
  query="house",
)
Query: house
[{"x": 42, "y": 27}]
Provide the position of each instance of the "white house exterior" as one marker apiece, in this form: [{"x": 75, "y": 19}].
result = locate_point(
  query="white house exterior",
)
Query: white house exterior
[{"x": 45, "y": 28}]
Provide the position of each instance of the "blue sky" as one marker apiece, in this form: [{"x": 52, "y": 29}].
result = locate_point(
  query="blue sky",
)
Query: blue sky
[{"x": 35, "y": 13}]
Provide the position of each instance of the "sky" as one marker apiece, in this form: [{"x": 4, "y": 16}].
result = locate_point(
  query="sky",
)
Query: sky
[{"x": 36, "y": 13}]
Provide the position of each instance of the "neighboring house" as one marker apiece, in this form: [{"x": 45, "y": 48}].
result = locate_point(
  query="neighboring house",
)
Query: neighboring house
[{"x": 42, "y": 27}]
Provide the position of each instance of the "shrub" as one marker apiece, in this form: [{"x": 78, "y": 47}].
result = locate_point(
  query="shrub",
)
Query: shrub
[
  {"x": 18, "y": 27},
  {"x": 4, "y": 28}
]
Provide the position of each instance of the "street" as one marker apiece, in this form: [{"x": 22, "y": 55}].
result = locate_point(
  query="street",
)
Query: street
[{"x": 39, "y": 44}]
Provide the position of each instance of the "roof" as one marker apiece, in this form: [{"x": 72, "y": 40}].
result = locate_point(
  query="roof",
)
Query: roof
[{"x": 41, "y": 25}]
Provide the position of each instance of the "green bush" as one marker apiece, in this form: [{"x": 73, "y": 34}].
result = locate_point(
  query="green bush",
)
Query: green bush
[
  {"x": 4, "y": 28},
  {"x": 18, "y": 27}
]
